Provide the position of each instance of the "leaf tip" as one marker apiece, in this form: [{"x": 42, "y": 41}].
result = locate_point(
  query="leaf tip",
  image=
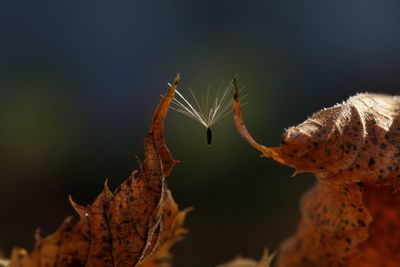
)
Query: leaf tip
[
  {"x": 106, "y": 189},
  {"x": 177, "y": 79},
  {"x": 236, "y": 90},
  {"x": 38, "y": 235},
  {"x": 82, "y": 211}
]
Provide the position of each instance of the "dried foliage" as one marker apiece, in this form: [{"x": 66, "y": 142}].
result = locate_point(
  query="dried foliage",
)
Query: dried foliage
[
  {"x": 265, "y": 261},
  {"x": 134, "y": 226},
  {"x": 351, "y": 217}
]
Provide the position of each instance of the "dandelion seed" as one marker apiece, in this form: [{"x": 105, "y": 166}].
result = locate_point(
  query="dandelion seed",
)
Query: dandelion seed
[{"x": 207, "y": 113}]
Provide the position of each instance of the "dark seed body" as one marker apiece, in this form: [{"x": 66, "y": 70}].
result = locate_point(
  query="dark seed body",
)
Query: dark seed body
[{"x": 209, "y": 136}]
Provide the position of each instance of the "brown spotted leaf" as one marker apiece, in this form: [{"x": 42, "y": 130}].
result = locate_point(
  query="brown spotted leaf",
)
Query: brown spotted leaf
[
  {"x": 351, "y": 217},
  {"x": 134, "y": 226}
]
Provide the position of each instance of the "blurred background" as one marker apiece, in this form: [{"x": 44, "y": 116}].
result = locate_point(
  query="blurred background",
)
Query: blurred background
[{"x": 79, "y": 82}]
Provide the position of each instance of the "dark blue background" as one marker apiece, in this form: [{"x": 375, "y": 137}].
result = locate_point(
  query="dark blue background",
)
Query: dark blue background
[{"x": 79, "y": 81}]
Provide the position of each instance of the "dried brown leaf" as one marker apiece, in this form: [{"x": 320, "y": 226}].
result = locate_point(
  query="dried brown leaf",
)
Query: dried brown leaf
[
  {"x": 265, "y": 261},
  {"x": 4, "y": 263},
  {"x": 354, "y": 150},
  {"x": 134, "y": 226}
]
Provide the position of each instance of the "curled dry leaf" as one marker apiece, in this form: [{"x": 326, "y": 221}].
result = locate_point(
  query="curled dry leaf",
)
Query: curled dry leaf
[
  {"x": 265, "y": 261},
  {"x": 134, "y": 226},
  {"x": 351, "y": 217}
]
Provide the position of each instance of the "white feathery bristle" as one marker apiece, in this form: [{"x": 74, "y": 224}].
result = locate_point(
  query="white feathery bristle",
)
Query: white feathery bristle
[{"x": 209, "y": 112}]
